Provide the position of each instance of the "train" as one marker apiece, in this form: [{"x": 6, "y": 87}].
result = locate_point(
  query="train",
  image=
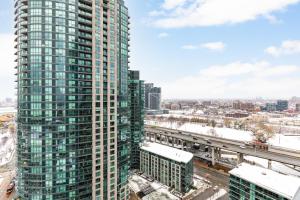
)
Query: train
[
  {"x": 275, "y": 149},
  {"x": 258, "y": 145}
]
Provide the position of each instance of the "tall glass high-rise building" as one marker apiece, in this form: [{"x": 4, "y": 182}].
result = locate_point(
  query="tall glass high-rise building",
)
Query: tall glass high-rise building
[
  {"x": 73, "y": 127},
  {"x": 136, "y": 102}
]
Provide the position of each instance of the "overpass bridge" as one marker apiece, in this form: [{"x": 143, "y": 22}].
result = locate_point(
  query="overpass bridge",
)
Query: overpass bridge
[{"x": 185, "y": 139}]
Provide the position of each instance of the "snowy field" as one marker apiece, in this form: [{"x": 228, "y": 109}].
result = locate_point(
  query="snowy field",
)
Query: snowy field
[
  {"x": 291, "y": 142},
  {"x": 5, "y": 110}
]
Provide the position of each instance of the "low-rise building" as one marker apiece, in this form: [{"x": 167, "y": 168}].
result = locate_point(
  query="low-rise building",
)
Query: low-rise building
[
  {"x": 237, "y": 114},
  {"x": 167, "y": 165},
  {"x": 238, "y": 105},
  {"x": 253, "y": 182}
]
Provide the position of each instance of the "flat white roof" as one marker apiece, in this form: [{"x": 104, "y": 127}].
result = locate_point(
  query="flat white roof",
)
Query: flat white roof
[
  {"x": 284, "y": 185},
  {"x": 168, "y": 152}
]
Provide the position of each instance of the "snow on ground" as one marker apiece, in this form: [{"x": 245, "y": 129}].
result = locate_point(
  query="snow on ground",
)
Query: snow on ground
[
  {"x": 182, "y": 112},
  {"x": 178, "y": 115},
  {"x": 276, "y": 166},
  {"x": 229, "y": 156},
  {"x": 228, "y": 133},
  {"x": 291, "y": 142},
  {"x": 5, "y": 110},
  {"x": 6, "y": 148},
  {"x": 217, "y": 195}
]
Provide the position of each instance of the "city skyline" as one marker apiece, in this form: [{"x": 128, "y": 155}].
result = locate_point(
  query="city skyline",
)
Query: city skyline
[{"x": 235, "y": 63}]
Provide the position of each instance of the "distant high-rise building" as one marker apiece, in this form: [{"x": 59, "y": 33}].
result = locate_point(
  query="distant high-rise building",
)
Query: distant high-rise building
[
  {"x": 136, "y": 104},
  {"x": 152, "y": 97},
  {"x": 271, "y": 107},
  {"x": 282, "y": 105},
  {"x": 148, "y": 87},
  {"x": 297, "y": 107},
  {"x": 73, "y": 129}
]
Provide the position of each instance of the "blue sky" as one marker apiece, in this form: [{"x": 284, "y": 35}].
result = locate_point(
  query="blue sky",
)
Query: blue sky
[{"x": 205, "y": 49}]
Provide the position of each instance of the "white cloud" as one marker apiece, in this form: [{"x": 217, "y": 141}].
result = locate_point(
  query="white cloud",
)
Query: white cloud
[
  {"x": 156, "y": 13},
  {"x": 7, "y": 58},
  {"x": 190, "y": 47},
  {"x": 171, "y": 4},
  {"x": 163, "y": 35},
  {"x": 238, "y": 80},
  {"x": 214, "y": 46},
  {"x": 193, "y": 13},
  {"x": 273, "y": 19},
  {"x": 287, "y": 47}
]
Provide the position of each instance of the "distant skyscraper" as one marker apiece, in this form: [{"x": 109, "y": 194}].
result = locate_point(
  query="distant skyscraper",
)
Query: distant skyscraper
[
  {"x": 136, "y": 103},
  {"x": 152, "y": 97},
  {"x": 297, "y": 107},
  {"x": 148, "y": 87},
  {"x": 73, "y": 114},
  {"x": 270, "y": 107},
  {"x": 282, "y": 105}
]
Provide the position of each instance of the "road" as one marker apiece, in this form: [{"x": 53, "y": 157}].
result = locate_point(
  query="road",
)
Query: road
[
  {"x": 216, "y": 178},
  {"x": 282, "y": 156}
]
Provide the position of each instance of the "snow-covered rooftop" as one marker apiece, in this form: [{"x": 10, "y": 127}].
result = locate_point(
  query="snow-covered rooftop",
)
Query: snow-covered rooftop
[
  {"x": 161, "y": 192},
  {"x": 284, "y": 185},
  {"x": 168, "y": 152}
]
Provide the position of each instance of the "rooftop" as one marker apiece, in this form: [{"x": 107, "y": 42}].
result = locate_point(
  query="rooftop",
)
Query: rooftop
[
  {"x": 168, "y": 152},
  {"x": 151, "y": 190},
  {"x": 284, "y": 185}
]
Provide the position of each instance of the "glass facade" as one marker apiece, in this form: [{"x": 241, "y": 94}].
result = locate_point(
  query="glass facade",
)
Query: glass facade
[
  {"x": 123, "y": 109},
  {"x": 136, "y": 102},
  {"x": 54, "y": 99},
  {"x": 73, "y": 128},
  {"x": 242, "y": 189},
  {"x": 176, "y": 175}
]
